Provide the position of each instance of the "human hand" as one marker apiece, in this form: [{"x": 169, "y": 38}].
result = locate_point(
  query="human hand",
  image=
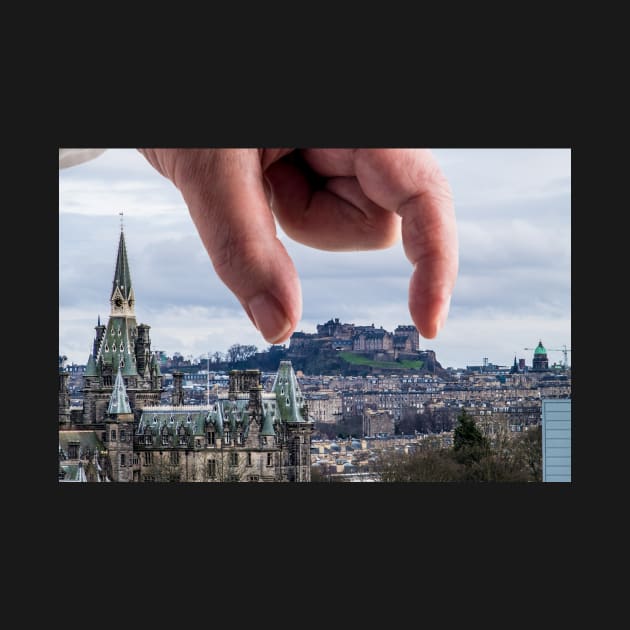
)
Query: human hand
[{"x": 330, "y": 199}]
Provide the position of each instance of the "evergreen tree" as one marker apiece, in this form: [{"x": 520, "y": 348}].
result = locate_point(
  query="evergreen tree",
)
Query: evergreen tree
[{"x": 468, "y": 442}]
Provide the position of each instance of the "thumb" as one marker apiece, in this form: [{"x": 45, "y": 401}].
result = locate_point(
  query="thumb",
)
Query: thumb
[{"x": 224, "y": 192}]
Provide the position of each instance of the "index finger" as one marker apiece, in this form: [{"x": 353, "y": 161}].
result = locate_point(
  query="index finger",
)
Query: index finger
[{"x": 410, "y": 182}]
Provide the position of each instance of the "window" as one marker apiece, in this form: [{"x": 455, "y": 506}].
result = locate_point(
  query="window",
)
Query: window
[
  {"x": 239, "y": 437},
  {"x": 148, "y": 458},
  {"x": 253, "y": 478},
  {"x": 227, "y": 437},
  {"x": 211, "y": 438},
  {"x": 233, "y": 459},
  {"x": 148, "y": 440},
  {"x": 136, "y": 459},
  {"x": 197, "y": 443},
  {"x": 174, "y": 457},
  {"x": 269, "y": 459},
  {"x": 249, "y": 459},
  {"x": 148, "y": 478},
  {"x": 113, "y": 436},
  {"x": 212, "y": 469},
  {"x": 122, "y": 435},
  {"x": 183, "y": 440},
  {"x": 122, "y": 459},
  {"x": 73, "y": 451},
  {"x": 164, "y": 439}
]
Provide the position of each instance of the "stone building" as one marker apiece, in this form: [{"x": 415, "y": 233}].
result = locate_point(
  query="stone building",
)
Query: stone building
[
  {"x": 540, "y": 362},
  {"x": 246, "y": 435},
  {"x": 123, "y": 434},
  {"x": 376, "y": 422},
  {"x": 121, "y": 345},
  {"x": 407, "y": 339},
  {"x": 325, "y": 406},
  {"x": 373, "y": 341}
]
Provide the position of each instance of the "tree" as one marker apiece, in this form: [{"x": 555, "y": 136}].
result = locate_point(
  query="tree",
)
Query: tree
[
  {"x": 469, "y": 444},
  {"x": 237, "y": 353},
  {"x": 428, "y": 466},
  {"x": 529, "y": 444},
  {"x": 350, "y": 425},
  {"x": 408, "y": 422},
  {"x": 326, "y": 429}
]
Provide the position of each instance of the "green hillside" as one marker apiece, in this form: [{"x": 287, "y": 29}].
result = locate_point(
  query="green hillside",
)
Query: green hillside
[{"x": 356, "y": 359}]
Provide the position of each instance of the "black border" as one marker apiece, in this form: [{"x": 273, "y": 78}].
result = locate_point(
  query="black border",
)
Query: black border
[{"x": 318, "y": 514}]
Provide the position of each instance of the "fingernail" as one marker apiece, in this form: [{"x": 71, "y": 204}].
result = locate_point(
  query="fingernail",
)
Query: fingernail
[
  {"x": 269, "y": 317},
  {"x": 444, "y": 314}
]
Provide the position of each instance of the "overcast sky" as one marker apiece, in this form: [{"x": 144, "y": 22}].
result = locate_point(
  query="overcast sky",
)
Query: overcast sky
[{"x": 513, "y": 209}]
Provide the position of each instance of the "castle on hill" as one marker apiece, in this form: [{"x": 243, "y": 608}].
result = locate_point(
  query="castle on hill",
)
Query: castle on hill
[{"x": 379, "y": 344}]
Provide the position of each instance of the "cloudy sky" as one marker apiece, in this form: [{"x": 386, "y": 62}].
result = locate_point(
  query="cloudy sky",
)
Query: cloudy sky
[{"x": 513, "y": 209}]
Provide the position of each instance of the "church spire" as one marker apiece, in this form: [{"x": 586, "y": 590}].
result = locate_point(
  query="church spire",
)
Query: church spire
[
  {"x": 122, "y": 291},
  {"x": 119, "y": 401}
]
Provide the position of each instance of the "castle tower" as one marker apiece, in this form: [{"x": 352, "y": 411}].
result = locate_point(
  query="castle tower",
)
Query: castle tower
[
  {"x": 293, "y": 413},
  {"x": 119, "y": 432},
  {"x": 121, "y": 345}
]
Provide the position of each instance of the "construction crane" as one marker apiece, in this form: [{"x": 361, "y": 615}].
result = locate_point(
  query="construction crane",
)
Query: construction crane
[{"x": 564, "y": 351}]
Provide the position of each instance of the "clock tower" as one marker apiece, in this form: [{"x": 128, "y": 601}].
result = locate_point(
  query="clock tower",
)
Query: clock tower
[{"x": 124, "y": 346}]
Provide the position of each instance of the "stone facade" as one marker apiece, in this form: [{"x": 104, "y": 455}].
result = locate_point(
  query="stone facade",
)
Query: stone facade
[
  {"x": 247, "y": 435},
  {"x": 377, "y": 422},
  {"x": 123, "y": 434}
]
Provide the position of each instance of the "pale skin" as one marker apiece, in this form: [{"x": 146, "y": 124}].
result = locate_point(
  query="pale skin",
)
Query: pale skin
[{"x": 330, "y": 199}]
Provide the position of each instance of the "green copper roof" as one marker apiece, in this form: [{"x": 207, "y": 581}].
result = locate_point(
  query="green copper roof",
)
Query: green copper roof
[
  {"x": 117, "y": 344},
  {"x": 129, "y": 367},
  {"x": 268, "y": 416},
  {"x": 540, "y": 349},
  {"x": 122, "y": 277},
  {"x": 228, "y": 414},
  {"x": 88, "y": 440},
  {"x": 119, "y": 401},
  {"x": 90, "y": 369},
  {"x": 289, "y": 399}
]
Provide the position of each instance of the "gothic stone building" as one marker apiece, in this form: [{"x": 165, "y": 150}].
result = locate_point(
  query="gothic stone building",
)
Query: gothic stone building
[{"x": 123, "y": 434}]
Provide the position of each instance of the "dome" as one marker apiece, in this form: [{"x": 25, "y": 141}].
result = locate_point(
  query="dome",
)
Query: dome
[{"x": 540, "y": 349}]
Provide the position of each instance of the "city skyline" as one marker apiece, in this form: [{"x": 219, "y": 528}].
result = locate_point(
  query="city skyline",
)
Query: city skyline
[{"x": 513, "y": 209}]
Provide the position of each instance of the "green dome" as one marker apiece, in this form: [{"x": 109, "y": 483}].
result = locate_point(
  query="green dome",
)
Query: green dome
[{"x": 540, "y": 349}]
